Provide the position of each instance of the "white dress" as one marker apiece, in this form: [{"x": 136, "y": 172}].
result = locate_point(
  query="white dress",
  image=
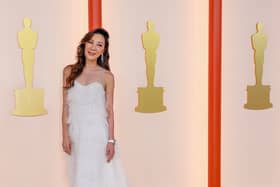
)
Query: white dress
[{"x": 88, "y": 130}]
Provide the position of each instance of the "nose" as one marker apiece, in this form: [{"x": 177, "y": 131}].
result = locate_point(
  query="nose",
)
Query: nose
[{"x": 93, "y": 47}]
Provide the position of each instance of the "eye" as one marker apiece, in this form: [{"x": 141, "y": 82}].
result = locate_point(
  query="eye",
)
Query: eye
[{"x": 90, "y": 42}]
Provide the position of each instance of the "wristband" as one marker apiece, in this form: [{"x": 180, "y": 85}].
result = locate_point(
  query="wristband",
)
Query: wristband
[{"x": 111, "y": 141}]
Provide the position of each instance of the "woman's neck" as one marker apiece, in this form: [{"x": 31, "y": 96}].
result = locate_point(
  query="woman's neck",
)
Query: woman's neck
[{"x": 91, "y": 64}]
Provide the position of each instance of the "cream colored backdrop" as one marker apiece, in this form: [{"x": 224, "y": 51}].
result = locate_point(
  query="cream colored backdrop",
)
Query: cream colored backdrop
[
  {"x": 31, "y": 154},
  {"x": 251, "y": 141},
  {"x": 165, "y": 149}
]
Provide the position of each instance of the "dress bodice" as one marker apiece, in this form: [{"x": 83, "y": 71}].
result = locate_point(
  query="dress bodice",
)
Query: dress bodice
[{"x": 87, "y": 101}]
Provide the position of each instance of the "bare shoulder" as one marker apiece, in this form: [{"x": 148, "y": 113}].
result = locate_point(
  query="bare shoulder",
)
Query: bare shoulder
[{"x": 109, "y": 77}]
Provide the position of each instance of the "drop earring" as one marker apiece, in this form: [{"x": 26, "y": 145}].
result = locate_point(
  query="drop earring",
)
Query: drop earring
[{"x": 102, "y": 59}]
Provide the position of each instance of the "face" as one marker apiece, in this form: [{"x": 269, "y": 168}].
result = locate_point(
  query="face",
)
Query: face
[{"x": 94, "y": 47}]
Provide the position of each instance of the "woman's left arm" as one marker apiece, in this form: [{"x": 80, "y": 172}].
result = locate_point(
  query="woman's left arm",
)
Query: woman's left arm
[
  {"x": 110, "y": 148},
  {"x": 110, "y": 84}
]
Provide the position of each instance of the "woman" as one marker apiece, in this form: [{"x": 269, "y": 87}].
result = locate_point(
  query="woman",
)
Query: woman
[{"x": 88, "y": 118}]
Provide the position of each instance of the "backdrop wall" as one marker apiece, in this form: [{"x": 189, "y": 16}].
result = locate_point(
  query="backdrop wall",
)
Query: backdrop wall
[
  {"x": 164, "y": 149},
  {"x": 250, "y": 139},
  {"x": 31, "y": 153}
]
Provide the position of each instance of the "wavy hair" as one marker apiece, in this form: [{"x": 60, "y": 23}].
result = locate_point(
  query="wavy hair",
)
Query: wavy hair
[{"x": 77, "y": 68}]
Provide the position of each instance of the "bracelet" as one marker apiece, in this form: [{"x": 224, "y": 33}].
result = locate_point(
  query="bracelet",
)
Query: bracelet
[{"x": 111, "y": 141}]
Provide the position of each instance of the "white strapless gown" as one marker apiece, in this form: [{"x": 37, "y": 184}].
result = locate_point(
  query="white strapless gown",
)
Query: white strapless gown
[{"x": 88, "y": 129}]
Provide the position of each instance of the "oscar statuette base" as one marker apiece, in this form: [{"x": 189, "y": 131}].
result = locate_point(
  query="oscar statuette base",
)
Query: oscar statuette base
[
  {"x": 258, "y": 97},
  {"x": 29, "y": 102},
  {"x": 150, "y": 100}
]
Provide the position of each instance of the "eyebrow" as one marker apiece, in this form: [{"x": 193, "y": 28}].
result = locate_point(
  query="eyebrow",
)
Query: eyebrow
[{"x": 97, "y": 42}]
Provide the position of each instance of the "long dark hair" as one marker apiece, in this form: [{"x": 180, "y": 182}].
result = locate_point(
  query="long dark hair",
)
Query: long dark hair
[{"x": 77, "y": 68}]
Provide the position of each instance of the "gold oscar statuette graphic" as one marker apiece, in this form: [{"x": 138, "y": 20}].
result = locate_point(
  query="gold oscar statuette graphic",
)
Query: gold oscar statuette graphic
[
  {"x": 29, "y": 100},
  {"x": 258, "y": 94},
  {"x": 150, "y": 98}
]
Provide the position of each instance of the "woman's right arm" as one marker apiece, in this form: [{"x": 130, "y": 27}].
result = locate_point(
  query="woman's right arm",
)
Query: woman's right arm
[{"x": 66, "y": 142}]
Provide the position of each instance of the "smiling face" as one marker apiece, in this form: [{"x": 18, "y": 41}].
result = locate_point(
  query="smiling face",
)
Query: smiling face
[{"x": 94, "y": 47}]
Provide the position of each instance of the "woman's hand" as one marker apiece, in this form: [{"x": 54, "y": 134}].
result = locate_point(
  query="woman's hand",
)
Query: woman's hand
[
  {"x": 66, "y": 144},
  {"x": 110, "y": 151}
]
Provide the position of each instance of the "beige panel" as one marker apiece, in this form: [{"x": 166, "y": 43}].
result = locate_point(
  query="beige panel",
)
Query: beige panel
[
  {"x": 250, "y": 139},
  {"x": 31, "y": 153},
  {"x": 164, "y": 149}
]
